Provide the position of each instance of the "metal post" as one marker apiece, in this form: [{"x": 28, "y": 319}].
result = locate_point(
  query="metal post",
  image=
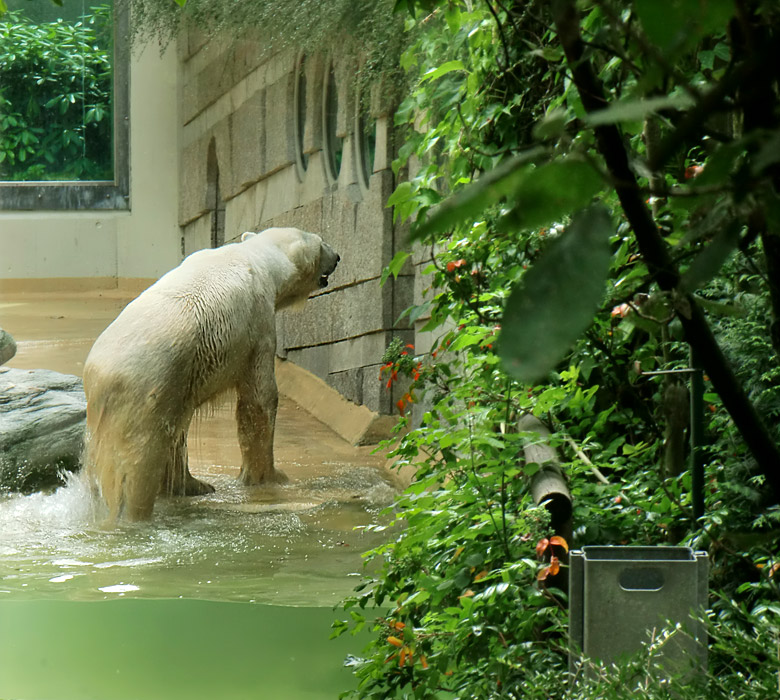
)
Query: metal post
[
  {"x": 697, "y": 435},
  {"x": 696, "y": 430}
]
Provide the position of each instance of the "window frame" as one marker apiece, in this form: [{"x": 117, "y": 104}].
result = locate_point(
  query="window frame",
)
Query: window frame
[
  {"x": 365, "y": 160},
  {"x": 332, "y": 144},
  {"x": 81, "y": 195},
  {"x": 301, "y": 106}
]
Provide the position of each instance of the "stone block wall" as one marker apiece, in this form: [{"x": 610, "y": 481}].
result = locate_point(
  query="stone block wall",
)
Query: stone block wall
[{"x": 259, "y": 138}]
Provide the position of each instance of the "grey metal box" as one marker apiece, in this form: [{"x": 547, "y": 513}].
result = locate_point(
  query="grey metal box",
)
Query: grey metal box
[{"x": 619, "y": 595}]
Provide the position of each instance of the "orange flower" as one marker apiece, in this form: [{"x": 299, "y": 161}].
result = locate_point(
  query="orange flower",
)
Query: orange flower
[
  {"x": 622, "y": 310},
  {"x": 693, "y": 171},
  {"x": 406, "y": 655},
  {"x": 558, "y": 541},
  {"x": 551, "y": 570},
  {"x": 455, "y": 264}
]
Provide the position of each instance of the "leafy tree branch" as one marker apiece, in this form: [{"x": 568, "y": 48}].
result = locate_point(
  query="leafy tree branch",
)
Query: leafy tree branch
[{"x": 654, "y": 250}]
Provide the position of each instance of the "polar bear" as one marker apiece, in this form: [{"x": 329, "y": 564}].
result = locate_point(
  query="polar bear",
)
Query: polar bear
[{"x": 204, "y": 327}]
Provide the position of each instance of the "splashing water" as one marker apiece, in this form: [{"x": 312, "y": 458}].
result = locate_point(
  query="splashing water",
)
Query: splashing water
[{"x": 298, "y": 544}]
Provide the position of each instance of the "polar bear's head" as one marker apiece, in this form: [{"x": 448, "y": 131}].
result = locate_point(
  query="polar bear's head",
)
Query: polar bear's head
[
  {"x": 329, "y": 258},
  {"x": 313, "y": 261}
]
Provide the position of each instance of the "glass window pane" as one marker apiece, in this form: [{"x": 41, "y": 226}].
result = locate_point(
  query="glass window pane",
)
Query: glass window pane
[{"x": 56, "y": 91}]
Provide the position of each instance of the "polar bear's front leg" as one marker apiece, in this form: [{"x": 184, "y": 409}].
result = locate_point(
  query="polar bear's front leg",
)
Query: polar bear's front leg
[{"x": 256, "y": 417}]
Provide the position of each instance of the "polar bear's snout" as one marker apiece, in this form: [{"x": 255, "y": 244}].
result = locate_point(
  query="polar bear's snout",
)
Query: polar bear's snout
[{"x": 329, "y": 258}]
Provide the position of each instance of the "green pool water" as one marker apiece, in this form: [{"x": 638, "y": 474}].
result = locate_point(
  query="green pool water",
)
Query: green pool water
[
  {"x": 168, "y": 649},
  {"x": 228, "y": 596}
]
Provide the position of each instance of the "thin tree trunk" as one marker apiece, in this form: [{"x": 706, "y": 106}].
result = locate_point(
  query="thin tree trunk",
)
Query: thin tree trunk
[{"x": 656, "y": 255}]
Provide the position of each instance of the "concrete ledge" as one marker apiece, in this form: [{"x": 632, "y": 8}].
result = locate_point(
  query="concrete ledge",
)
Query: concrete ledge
[
  {"x": 55, "y": 284},
  {"x": 129, "y": 287},
  {"x": 357, "y": 425},
  {"x": 133, "y": 286}
]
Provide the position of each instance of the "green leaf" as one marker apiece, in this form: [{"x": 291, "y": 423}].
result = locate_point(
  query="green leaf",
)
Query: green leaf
[
  {"x": 477, "y": 196},
  {"x": 675, "y": 25},
  {"x": 709, "y": 261},
  {"x": 411, "y": 6},
  {"x": 556, "y": 299},
  {"x": 552, "y": 54},
  {"x": 550, "y": 192},
  {"x": 3, "y": 7},
  {"x": 402, "y": 193},
  {"x": 394, "y": 268},
  {"x": 416, "y": 312},
  {"x": 720, "y": 164},
  {"x": 657, "y": 18},
  {"x": 707, "y": 59},
  {"x": 637, "y": 110},
  {"x": 408, "y": 59},
  {"x": 469, "y": 337},
  {"x": 552, "y": 125},
  {"x": 443, "y": 69}
]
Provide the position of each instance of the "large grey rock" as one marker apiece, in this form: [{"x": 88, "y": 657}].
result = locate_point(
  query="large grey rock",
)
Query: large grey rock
[
  {"x": 7, "y": 346},
  {"x": 42, "y": 422}
]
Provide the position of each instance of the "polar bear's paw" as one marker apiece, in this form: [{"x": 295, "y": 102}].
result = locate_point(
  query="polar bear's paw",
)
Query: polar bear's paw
[
  {"x": 195, "y": 487},
  {"x": 276, "y": 477},
  {"x": 273, "y": 476}
]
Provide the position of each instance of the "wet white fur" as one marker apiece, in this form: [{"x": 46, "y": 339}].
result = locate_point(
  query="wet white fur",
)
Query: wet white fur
[{"x": 205, "y": 327}]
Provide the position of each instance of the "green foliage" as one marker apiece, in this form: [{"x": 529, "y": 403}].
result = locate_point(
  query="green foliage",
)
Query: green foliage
[
  {"x": 509, "y": 179},
  {"x": 568, "y": 282},
  {"x": 369, "y": 31},
  {"x": 55, "y": 98},
  {"x": 460, "y": 588}
]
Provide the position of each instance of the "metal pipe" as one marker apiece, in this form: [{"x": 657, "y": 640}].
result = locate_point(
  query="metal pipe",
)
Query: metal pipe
[{"x": 697, "y": 437}]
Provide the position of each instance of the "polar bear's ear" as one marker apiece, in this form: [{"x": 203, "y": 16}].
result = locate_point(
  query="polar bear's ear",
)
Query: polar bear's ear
[{"x": 247, "y": 234}]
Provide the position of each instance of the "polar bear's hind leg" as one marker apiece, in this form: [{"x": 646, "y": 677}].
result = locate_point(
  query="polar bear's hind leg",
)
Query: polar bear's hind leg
[{"x": 177, "y": 479}]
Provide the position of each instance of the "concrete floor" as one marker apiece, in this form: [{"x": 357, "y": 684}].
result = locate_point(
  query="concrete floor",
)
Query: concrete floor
[{"x": 56, "y": 331}]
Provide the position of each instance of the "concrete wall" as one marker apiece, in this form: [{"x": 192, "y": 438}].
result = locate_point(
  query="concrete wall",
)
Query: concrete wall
[
  {"x": 95, "y": 249},
  {"x": 240, "y": 128},
  {"x": 215, "y": 140}
]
